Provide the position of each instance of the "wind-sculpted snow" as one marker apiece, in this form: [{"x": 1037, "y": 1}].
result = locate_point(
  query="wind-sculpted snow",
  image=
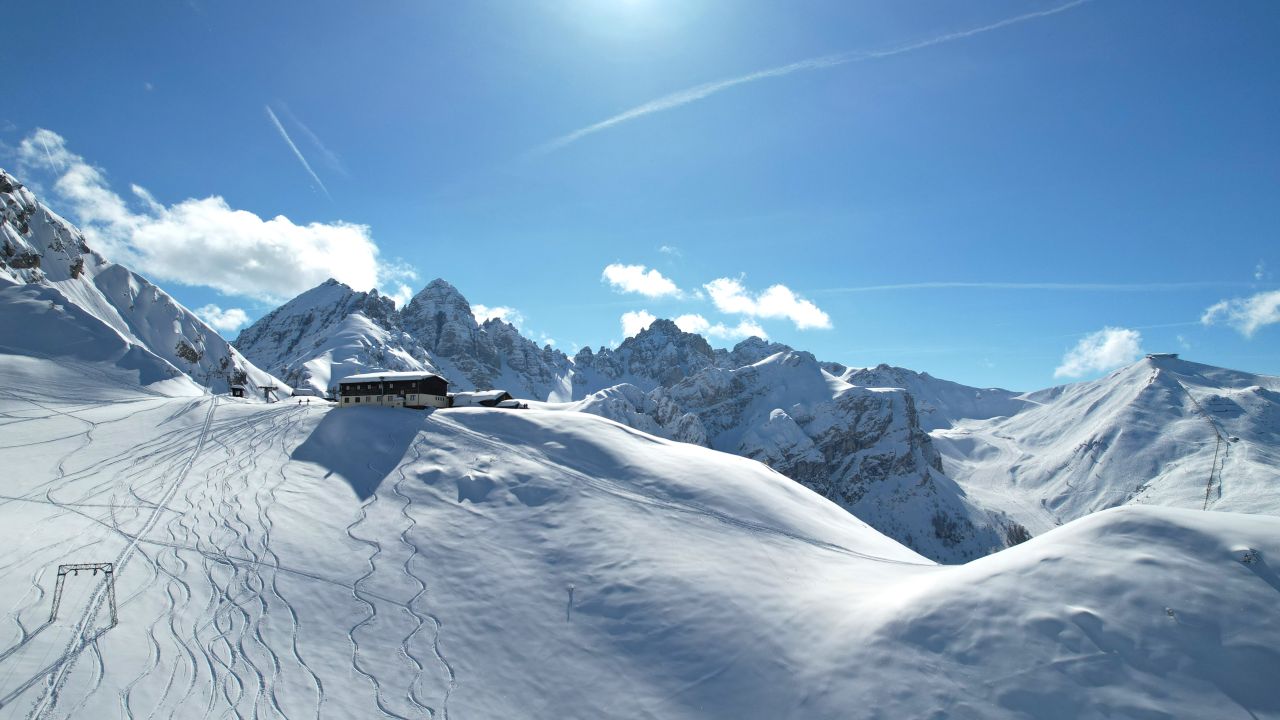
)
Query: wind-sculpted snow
[
  {"x": 95, "y": 302},
  {"x": 1162, "y": 431},
  {"x": 300, "y": 561}
]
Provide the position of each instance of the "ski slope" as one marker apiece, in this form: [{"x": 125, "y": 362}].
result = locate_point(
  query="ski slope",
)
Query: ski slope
[{"x": 300, "y": 561}]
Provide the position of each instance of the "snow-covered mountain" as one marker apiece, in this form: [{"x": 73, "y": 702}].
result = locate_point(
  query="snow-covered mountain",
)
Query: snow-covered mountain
[
  {"x": 304, "y": 561},
  {"x": 58, "y": 298},
  {"x": 1162, "y": 431},
  {"x": 328, "y": 333},
  {"x": 861, "y": 447},
  {"x": 332, "y": 331}
]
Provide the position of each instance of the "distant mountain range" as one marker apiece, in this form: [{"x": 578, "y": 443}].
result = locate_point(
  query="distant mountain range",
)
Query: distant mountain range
[{"x": 952, "y": 471}]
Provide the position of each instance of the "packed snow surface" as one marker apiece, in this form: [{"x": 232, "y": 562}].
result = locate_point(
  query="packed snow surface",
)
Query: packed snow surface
[{"x": 298, "y": 560}]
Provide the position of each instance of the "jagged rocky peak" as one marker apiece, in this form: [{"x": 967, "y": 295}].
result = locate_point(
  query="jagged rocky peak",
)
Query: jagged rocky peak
[
  {"x": 661, "y": 354},
  {"x": 439, "y": 314},
  {"x": 37, "y": 244},
  {"x": 753, "y": 350}
]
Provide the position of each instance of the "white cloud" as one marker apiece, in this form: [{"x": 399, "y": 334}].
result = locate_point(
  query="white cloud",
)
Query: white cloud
[
  {"x": 224, "y": 321},
  {"x": 636, "y": 320},
  {"x": 694, "y": 323},
  {"x": 1103, "y": 350},
  {"x": 1246, "y": 314},
  {"x": 206, "y": 242},
  {"x": 501, "y": 312},
  {"x": 670, "y": 250},
  {"x": 638, "y": 279},
  {"x": 402, "y": 295},
  {"x": 777, "y": 301},
  {"x": 1260, "y": 271}
]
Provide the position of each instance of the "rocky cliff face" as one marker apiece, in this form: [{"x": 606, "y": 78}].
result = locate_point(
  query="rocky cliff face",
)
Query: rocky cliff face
[{"x": 45, "y": 253}]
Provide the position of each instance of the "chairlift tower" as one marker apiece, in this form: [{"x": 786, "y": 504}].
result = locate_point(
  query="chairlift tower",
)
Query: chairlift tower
[
  {"x": 108, "y": 575},
  {"x": 266, "y": 392}
]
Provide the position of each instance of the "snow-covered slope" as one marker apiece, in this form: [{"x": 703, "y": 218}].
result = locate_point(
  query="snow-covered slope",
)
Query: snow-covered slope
[
  {"x": 1162, "y": 431},
  {"x": 58, "y": 297},
  {"x": 861, "y": 447},
  {"x": 301, "y": 561}
]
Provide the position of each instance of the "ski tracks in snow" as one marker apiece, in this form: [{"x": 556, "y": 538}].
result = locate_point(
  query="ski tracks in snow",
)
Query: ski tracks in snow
[{"x": 410, "y": 675}]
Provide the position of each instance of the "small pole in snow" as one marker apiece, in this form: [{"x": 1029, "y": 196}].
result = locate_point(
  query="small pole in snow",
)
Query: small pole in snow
[{"x": 568, "y": 611}]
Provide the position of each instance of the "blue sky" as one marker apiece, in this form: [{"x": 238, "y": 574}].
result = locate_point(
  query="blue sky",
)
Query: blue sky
[{"x": 1017, "y": 205}]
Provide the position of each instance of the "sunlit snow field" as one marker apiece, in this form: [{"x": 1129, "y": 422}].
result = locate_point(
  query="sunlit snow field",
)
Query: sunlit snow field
[{"x": 301, "y": 561}]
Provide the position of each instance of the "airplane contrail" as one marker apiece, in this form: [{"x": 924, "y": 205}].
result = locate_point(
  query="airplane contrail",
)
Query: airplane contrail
[
  {"x": 1086, "y": 287},
  {"x": 699, "y": 92},
  {"x": 296, "y": 151}
]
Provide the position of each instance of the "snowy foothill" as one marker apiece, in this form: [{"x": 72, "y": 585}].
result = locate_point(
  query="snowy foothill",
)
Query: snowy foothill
[{"x": 310, "y": 561}]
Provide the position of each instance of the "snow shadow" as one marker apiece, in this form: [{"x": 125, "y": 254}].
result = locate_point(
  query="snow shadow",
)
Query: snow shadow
[{"x": 361, "y": 445}]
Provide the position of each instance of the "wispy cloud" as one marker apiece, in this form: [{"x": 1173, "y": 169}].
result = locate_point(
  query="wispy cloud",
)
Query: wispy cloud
[
  {"x": 1246, "y": 315},
  {"x": 306, "y": 165},
  {"x": 700, "y": 92},
  {"x": 1084, "y": 287}
]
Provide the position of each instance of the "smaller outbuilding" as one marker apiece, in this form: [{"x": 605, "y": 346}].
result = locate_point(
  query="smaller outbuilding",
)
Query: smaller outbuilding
[
  {"x": 237, "y": 391},
  {"x": 479, "y": 398},
  {"x": 416, "y": 390}
]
